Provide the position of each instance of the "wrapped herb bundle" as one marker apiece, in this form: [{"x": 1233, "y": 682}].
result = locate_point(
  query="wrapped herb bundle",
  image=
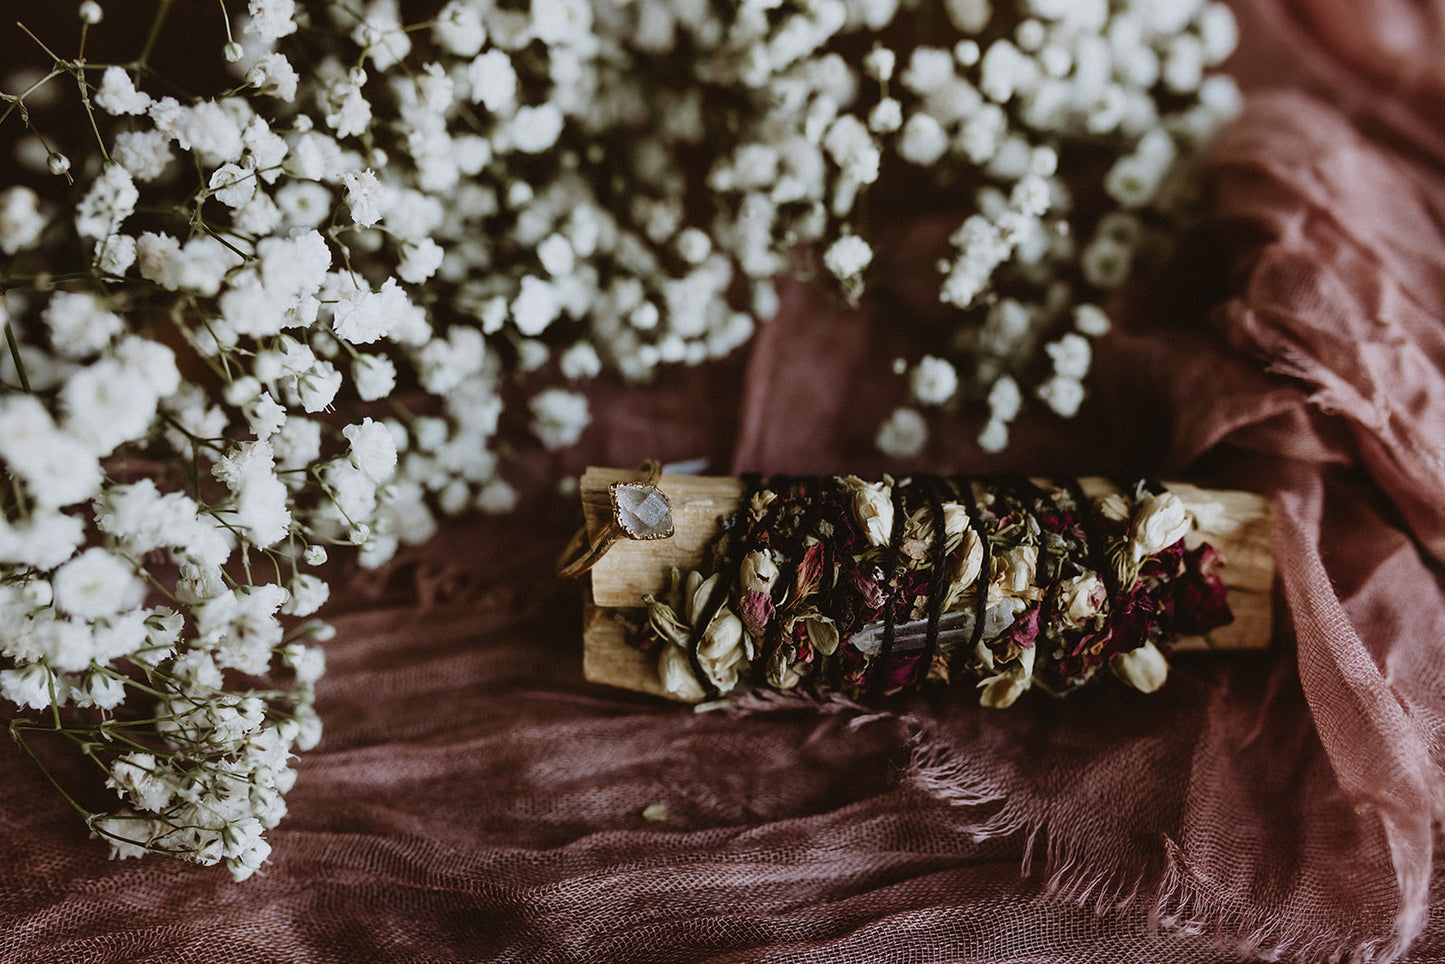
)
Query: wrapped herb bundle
[{"x": 874, "y": 588}]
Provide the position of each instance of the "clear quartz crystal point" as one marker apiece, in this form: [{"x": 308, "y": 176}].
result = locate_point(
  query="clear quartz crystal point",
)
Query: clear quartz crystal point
[{"x": 642, "y": 510}]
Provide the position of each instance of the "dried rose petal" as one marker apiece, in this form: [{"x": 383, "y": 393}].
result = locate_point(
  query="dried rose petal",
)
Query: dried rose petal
[
  {"x": 756, "y": 611},
  {"x": 1200, "y": 603}
]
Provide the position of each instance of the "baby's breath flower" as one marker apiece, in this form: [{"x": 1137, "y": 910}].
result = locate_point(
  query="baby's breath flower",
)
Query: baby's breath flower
[
  {"x": 271, "y": 19},
  {"x": 558, "y": 417},
  {"x": 20, "y": 219},
  {"x": 903, "y": 435},
  {"x": 363, "y": 196},
  {"x": 933, "y": 381},
  {"x": 848, "y": 257},
  {"x": 372, "y": 449},
  {"x": 117, "y": 94}
]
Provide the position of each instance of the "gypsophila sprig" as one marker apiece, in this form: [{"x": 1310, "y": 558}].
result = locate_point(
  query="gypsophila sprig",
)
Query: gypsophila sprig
[
  {"x": 256, "y": 328},
  {"x": 1003, "y": 112}
]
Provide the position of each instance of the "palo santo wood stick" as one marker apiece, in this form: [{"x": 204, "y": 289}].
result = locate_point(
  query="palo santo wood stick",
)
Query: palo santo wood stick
[{"x": 1238, "y": 524}]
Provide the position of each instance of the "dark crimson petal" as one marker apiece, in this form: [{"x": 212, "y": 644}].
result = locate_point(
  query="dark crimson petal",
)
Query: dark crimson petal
[{"x": 1200, "y": 602}]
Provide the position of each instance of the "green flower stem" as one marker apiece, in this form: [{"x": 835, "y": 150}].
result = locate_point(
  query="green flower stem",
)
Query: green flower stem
[
  {"x": 18, "y": 100},
  {"x": 160, "y": 18},
  {"x": 15, "y": 354},
  {"x": 15, "y": 734},
  {"x": 226, "y": 19},
  {"x": 58, "y": 61},
  {"x": 89, "y": 110}
]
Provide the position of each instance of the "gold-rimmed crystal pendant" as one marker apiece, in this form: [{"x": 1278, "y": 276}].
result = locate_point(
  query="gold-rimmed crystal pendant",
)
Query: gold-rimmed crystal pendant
[{"x": 641, "y": 510}]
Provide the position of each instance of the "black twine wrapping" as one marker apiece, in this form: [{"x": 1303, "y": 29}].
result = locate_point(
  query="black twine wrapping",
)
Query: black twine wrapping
[
  {"x": 932, "y": 487},
  {"x": 1094, "y": 541}
]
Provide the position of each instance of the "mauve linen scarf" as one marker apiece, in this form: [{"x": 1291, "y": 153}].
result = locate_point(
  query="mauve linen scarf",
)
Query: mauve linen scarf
[{"x": 474, "y": 799}]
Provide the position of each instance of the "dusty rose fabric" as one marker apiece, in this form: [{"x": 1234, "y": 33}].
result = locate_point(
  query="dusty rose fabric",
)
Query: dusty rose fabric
[{"x": 475, "y": 800}]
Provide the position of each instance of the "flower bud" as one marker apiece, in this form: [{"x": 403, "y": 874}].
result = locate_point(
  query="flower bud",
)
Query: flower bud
[
  {"x": 1114, "y": 507},
  {"x": 1013, "y": 569},
  {"x": 822, "y": 634},
  {"x": 664, "y": 621},
  {"x": 873, "y": 509},
  {"x": 955, "y": 520},
  {"x": 783, "y": 672},
  {"x": 724, "y": 635},
  {"x": 1002, "y": 691},
  {"x": 676, "y": 674},
  {"x": 1144, "y": 668},
  {"x": 759, "y": 571},
  {"x": 1080, "y": 599},
  {"x": 1160, "y": 521},
  {"x": 966, "y": 570}
]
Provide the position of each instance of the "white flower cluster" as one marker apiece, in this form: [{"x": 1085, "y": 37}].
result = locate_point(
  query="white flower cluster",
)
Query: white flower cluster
[
  {"x": 1000, "y": 119},
  {"x": 1118, "y": 85},
  {"x": 283, "y": 319}
]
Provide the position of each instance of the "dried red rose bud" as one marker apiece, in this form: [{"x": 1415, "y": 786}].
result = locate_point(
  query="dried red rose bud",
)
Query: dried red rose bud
[{"x": 1200, "y": 603}]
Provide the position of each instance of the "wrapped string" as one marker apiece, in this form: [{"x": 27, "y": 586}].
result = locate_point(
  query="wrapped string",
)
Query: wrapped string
[{"x": 932, "y": 489}]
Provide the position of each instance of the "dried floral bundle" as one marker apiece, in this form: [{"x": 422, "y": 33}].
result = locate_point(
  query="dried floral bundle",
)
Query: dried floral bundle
[{"x": 879, "y": 587}]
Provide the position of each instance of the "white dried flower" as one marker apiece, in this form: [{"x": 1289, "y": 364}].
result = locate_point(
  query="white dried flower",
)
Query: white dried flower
[
  {"x": 274, "y": 76},
  {"x": 493, "y": 80},
  {"x": 559, "y": 417},
  {"x": 459, "y": 30},
  {"x": 872, "y": 504},
  {"x": 117, "y": 94},
  {"x": 994, "y": 437},
  {"x": 1090, "y": 320},
  {"x": 1160, "y": 521},
  {"x": 110, "y": 200},
  {"x": 923, "y": 140},
  {"x": 374, "y": 376},
  {"x": 535, "y": 129},
  {"x": 1144, "y": 668},
  {"x": 233, "y": 185},
  {"x": 373, "y": 449},
  {"x": 1070, "y": 354},
  {"x": 96, "y": 584},
  {"x": 1062, "y": 394},
  {"x": 848, "y": 257},
  {"x": 903, "y": 434},
  {"x": 364, "y": 196},
  {"x": 20, "y": 219},
  {"x": 929, "y": 68},
  {"x": 933, "y": 381},
  {"x": 879, "y": 63},
  {"x": 271, "y": 19},
  {"x": 886, "y": 116},
  {"x": 115, "y": 255}
]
